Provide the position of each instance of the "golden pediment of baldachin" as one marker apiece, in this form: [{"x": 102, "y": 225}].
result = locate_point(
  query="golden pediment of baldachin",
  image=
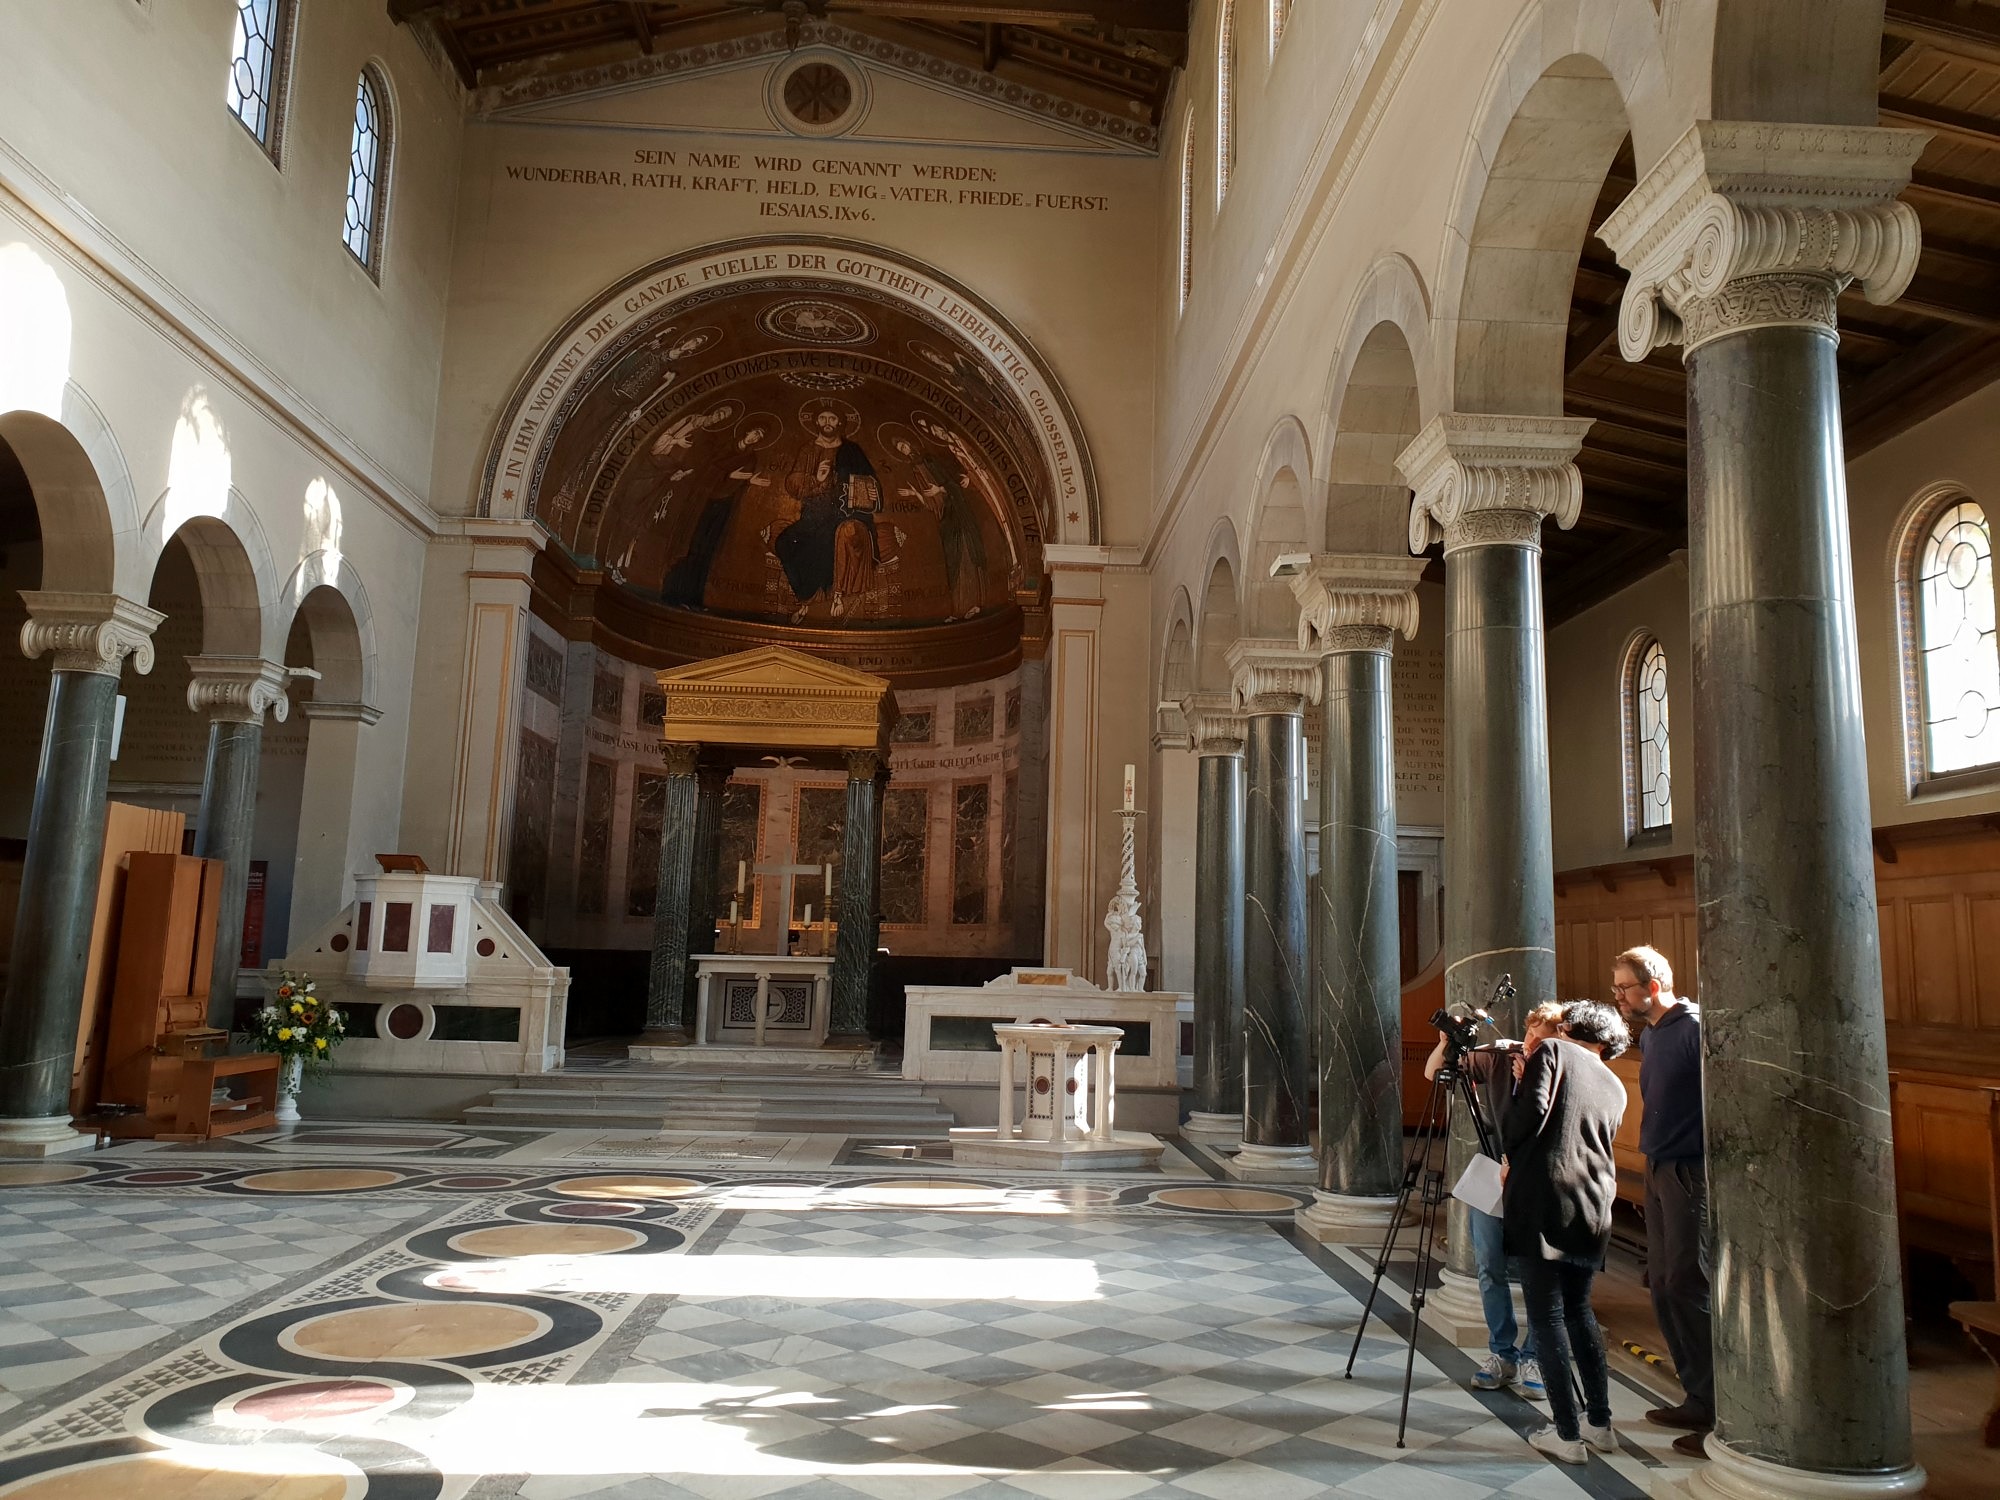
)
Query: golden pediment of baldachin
[{"x": 776, "y": 697}]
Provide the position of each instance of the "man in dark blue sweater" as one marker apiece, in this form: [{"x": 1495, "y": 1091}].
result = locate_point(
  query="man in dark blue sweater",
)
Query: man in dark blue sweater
[{"x": 1670, "y": 1138}]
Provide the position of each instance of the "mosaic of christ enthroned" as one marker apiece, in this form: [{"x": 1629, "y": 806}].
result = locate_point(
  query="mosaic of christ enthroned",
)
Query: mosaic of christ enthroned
[{"x": 803, "y": 454}]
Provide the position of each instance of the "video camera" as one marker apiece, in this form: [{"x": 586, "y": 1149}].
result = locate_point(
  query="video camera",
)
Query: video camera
[{"x": 1461, "y": 1030}]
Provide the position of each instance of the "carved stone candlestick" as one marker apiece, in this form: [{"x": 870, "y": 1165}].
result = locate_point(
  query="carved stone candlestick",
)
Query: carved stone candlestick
[{"x": 1126, "y": 970}]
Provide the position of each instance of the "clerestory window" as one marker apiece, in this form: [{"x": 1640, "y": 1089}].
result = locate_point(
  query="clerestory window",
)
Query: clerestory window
[
  {"x": 368, "y": 172},
  {"x": 259, "y": 63}
]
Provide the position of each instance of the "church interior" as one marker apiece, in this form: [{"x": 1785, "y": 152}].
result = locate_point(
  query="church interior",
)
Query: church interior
[{"x": 837, "y": 747}]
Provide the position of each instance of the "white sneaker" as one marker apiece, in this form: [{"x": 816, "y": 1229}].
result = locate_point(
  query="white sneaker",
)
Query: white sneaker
[
  {"x": 1492, "y": 1375},
  {"x": 1603, "y": 1439},
  {"x": 1527, "y": 1381},
  {"x": 1563, "y": 1450}
]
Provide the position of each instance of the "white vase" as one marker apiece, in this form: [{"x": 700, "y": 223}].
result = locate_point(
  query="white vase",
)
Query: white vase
[{"x": 290, "y": 1075}]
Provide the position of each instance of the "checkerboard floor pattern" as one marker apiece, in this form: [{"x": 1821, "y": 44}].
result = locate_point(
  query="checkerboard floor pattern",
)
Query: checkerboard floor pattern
[
  {"x": 1203, "y": 1360},
  {"x": 86, "y": 1280}
]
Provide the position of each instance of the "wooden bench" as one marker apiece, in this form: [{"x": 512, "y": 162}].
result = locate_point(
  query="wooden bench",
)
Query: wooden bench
[{"x": 1982, "y": 1319}]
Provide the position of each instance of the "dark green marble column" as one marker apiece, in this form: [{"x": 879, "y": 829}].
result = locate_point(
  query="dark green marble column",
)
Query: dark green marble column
[
  {"x": 860, "y": 880},
  {"x": 1217, "y": 1114},
  {"x": 1351, "y": 609},
  {"x": 1271, "y": 687},
  {"x": 1810, "y": 1366},
  {"x": 235, "y": 692},
  {"x": 90, "y": 636},
  {"x": 670, "y": 980},
  {"x": 1489, "y": 482}
]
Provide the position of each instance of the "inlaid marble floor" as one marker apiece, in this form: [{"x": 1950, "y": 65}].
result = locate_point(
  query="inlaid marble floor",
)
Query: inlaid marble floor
[{"x": 425, "y": 1321}]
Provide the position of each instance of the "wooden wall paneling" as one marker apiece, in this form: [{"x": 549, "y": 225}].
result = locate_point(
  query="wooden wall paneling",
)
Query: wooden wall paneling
[
  {"x": 1893, "y": 982},
  {"x": 1931, "y": 927},
  {"x": 1983, "y": 916}
]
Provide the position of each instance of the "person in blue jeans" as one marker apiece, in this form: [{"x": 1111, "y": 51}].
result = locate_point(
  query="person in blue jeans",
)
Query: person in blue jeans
[{"x": 1495, "y": 1071}]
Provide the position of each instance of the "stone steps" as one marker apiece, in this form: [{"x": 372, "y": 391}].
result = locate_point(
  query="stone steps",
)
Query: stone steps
[{"x": 717, "y": 1104}]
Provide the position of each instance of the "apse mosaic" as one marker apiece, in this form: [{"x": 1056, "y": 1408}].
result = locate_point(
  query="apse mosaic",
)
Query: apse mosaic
[{"x": 798, "y": 454}]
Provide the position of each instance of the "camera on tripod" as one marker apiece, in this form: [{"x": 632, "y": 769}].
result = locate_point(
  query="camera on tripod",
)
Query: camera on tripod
[{"x": 1461, "y": 1032}]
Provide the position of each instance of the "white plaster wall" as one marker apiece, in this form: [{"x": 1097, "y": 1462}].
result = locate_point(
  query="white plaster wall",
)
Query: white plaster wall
[{"x": 117, "y": 109}]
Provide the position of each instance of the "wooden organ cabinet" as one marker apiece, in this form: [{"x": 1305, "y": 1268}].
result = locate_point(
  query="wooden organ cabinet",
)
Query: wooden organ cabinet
[{"x": 161, "y": 1056}]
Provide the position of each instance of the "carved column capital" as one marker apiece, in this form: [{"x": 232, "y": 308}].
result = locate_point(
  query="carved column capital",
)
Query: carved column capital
[
  {"x": 1357, "y": 601},
  {"x": 240, "y": 689},
  {"x": 1272, "y": 676},
  {"x": 866, "y": 765},
  {"x": 1214, "y": 727},
  {"x": 1170, "y": 728},
  {"x": 1750, "y": 225},
  {"x": 88, "y": 632},
  {"x": 1490, "y": 480},
  {"x": 680, "y": 757}
]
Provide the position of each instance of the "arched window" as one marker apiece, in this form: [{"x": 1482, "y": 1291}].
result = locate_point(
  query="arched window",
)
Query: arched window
[
  {"x": 368, "y": 172},
  {"x": 1225, "y": 101},
  {"x": 1187, "y": 213},
  {"x": 1649, "y": 767},
  {"x": 259, "y": 63},
  {"x": 1948, "y": 579}
]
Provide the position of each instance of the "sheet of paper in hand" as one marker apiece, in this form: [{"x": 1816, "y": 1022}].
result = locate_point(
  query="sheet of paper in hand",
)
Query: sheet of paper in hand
[{"x": 1479, "y": 1185}]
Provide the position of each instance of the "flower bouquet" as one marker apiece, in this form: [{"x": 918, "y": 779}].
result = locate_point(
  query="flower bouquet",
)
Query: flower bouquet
[{"x": 302, "y": 1030}]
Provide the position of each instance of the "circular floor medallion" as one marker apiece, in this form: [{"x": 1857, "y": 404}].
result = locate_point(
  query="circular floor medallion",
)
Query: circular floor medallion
[
  {"x": 320, "y": 1180},
  {"x": 507, "y": 1240},
  {"x": 474, "y": 1180},
  {"x": 629, "y": 1188},
  {"x": 39, "y": 1173},
  {"x": 1226, "y": 1200},
  {"x": 593, "y": 1210},
  {"x": 318, "y": 1401},
  {"x": 164, "y": 1177},
  {"x": 416, "y": 1330},
  {"x": 293, "y": 1474}
]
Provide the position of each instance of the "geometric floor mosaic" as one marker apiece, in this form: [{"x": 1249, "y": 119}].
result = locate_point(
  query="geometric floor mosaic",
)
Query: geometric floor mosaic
[{"x": 235, "y": 1327}]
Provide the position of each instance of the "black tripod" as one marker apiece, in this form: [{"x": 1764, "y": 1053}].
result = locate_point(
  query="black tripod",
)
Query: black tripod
[{"x": 1449, "y": 1088}]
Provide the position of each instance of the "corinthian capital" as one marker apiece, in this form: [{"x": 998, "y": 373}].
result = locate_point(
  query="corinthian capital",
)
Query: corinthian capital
[
  {"x": 238, "y": 689},
  {"x": 1214, "y": 726},
  {"x": 1746, "y": 225},
  {"x": 1272, "y": 676},
  {"x": 1357, "y": 601},
  {"x": 88, "y": 632},
  {"x": 1486, "y": 481}
]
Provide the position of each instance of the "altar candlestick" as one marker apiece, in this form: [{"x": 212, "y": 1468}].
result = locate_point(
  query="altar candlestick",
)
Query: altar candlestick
[{"x": 1129, "y": 770}]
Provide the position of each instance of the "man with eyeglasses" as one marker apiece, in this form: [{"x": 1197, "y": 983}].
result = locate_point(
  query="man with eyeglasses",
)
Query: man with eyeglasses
[{"x": 1670, "y": 1138}]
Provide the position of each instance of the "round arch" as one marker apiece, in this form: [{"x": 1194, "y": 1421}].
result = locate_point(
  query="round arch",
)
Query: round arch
[
  {"x": 79, "y": 546},
  {"x": 1177, "y": 650},
  {"x": 1289, "y": 511},
  {"x": 1220, "y": 621},
  {"x": 233, "y": 585},
  {"x": 328, "y": 596},
  {"x": 1561, "y": 98},
  {"x": 1377, "y": 410},
  {"x": 570, "y": 362}
]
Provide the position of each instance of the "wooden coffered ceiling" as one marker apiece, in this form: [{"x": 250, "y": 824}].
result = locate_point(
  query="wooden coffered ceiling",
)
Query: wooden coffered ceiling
[
  {"x": 1112, "y": 55},
  {"x": 1898, "y": 364}
]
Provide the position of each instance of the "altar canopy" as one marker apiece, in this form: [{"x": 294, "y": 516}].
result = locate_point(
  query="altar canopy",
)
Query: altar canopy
[{"x": 735, "y": 710}]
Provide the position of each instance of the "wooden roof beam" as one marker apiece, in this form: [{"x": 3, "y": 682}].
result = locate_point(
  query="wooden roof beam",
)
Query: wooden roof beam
[
  {"x": 1976, "y": 130},
  {"x": 1968, "y": 31}
]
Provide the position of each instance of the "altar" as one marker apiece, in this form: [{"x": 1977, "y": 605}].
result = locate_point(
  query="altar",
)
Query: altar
[{"x": 806, "y": 1002}]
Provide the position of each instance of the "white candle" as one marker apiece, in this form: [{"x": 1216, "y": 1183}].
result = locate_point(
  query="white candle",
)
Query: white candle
[
  {"x": 809, "y": 914},
  {"x": 1129, "y": 770},
  {"x": 826, "y": 883},
  {"x": 739, "y": 877},
  {"x": 732, "y": 913}
]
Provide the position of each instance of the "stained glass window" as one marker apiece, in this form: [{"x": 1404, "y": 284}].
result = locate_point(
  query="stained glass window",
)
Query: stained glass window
[
  {"x": 1225, "y": 101},
  {"x": 367, "y": 173},
  {"x": 257, "y": 57},
  {"x": 1961, "y": 664},
  {"x": 1650, "y": 767}
]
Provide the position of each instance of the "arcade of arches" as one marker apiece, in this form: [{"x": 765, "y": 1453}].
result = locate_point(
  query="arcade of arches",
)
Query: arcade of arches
[{"x": 781, "y": 525}]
